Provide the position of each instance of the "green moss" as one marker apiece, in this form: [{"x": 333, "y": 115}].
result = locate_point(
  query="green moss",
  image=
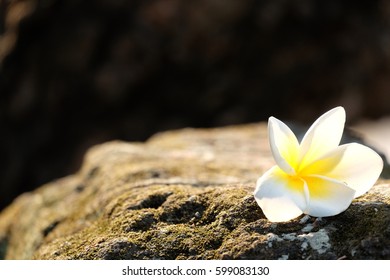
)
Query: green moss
[
  {"x": 182, "y": 195},
  {"x": 363, "y": 232},
  {"x": 183, "y": 223}
]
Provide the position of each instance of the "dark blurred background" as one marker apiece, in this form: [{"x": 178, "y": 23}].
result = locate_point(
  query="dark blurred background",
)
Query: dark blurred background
[{"x": 75, "y": 73}]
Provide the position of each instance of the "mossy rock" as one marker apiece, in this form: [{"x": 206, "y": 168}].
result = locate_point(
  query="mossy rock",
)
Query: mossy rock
[{"x": 183, "y": 195}]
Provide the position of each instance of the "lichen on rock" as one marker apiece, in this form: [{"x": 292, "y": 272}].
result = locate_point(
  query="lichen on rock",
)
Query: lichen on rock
[{"x": 183, "y": 195}]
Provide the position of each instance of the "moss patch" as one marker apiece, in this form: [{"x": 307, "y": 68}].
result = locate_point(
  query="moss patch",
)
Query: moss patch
[{"x": 183, "y": 195}]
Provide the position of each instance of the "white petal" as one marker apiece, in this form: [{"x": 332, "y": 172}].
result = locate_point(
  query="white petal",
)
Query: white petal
[
  {"x": 354, "y": 164},
  {"x": 328, "y": 197},
  {"x": 280, "y": 197},
  {"x": 284, "y": 145},
  {"x": 323, "y": 136}
]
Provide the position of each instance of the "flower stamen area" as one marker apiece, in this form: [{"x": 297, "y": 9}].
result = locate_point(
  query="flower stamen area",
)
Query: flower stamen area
[{"x": 316, "y": 176}]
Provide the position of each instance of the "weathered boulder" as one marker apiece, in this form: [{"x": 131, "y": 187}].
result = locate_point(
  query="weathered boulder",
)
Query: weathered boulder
[{"x": 183, "y": 195}]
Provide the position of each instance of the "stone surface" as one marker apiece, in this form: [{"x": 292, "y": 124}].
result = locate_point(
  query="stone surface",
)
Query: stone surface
[{"x": 183, "y": 195}]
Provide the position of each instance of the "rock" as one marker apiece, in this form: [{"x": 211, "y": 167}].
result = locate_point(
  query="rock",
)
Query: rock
[{"x": 183, "y": 195}]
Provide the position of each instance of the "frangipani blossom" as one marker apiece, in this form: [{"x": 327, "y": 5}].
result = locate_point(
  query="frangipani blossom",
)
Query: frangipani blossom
[{"x": 317, "y": 176}]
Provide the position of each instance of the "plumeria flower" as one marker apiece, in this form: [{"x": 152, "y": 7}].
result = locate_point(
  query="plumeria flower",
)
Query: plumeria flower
[{"x": 317, "y": 176}]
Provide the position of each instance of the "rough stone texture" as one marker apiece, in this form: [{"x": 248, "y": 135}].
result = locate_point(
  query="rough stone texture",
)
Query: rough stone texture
[{"x": 183, "y": 195}]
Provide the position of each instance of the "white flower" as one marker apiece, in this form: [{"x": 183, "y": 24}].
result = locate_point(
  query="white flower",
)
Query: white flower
[{"x": 317, "y": 176}]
